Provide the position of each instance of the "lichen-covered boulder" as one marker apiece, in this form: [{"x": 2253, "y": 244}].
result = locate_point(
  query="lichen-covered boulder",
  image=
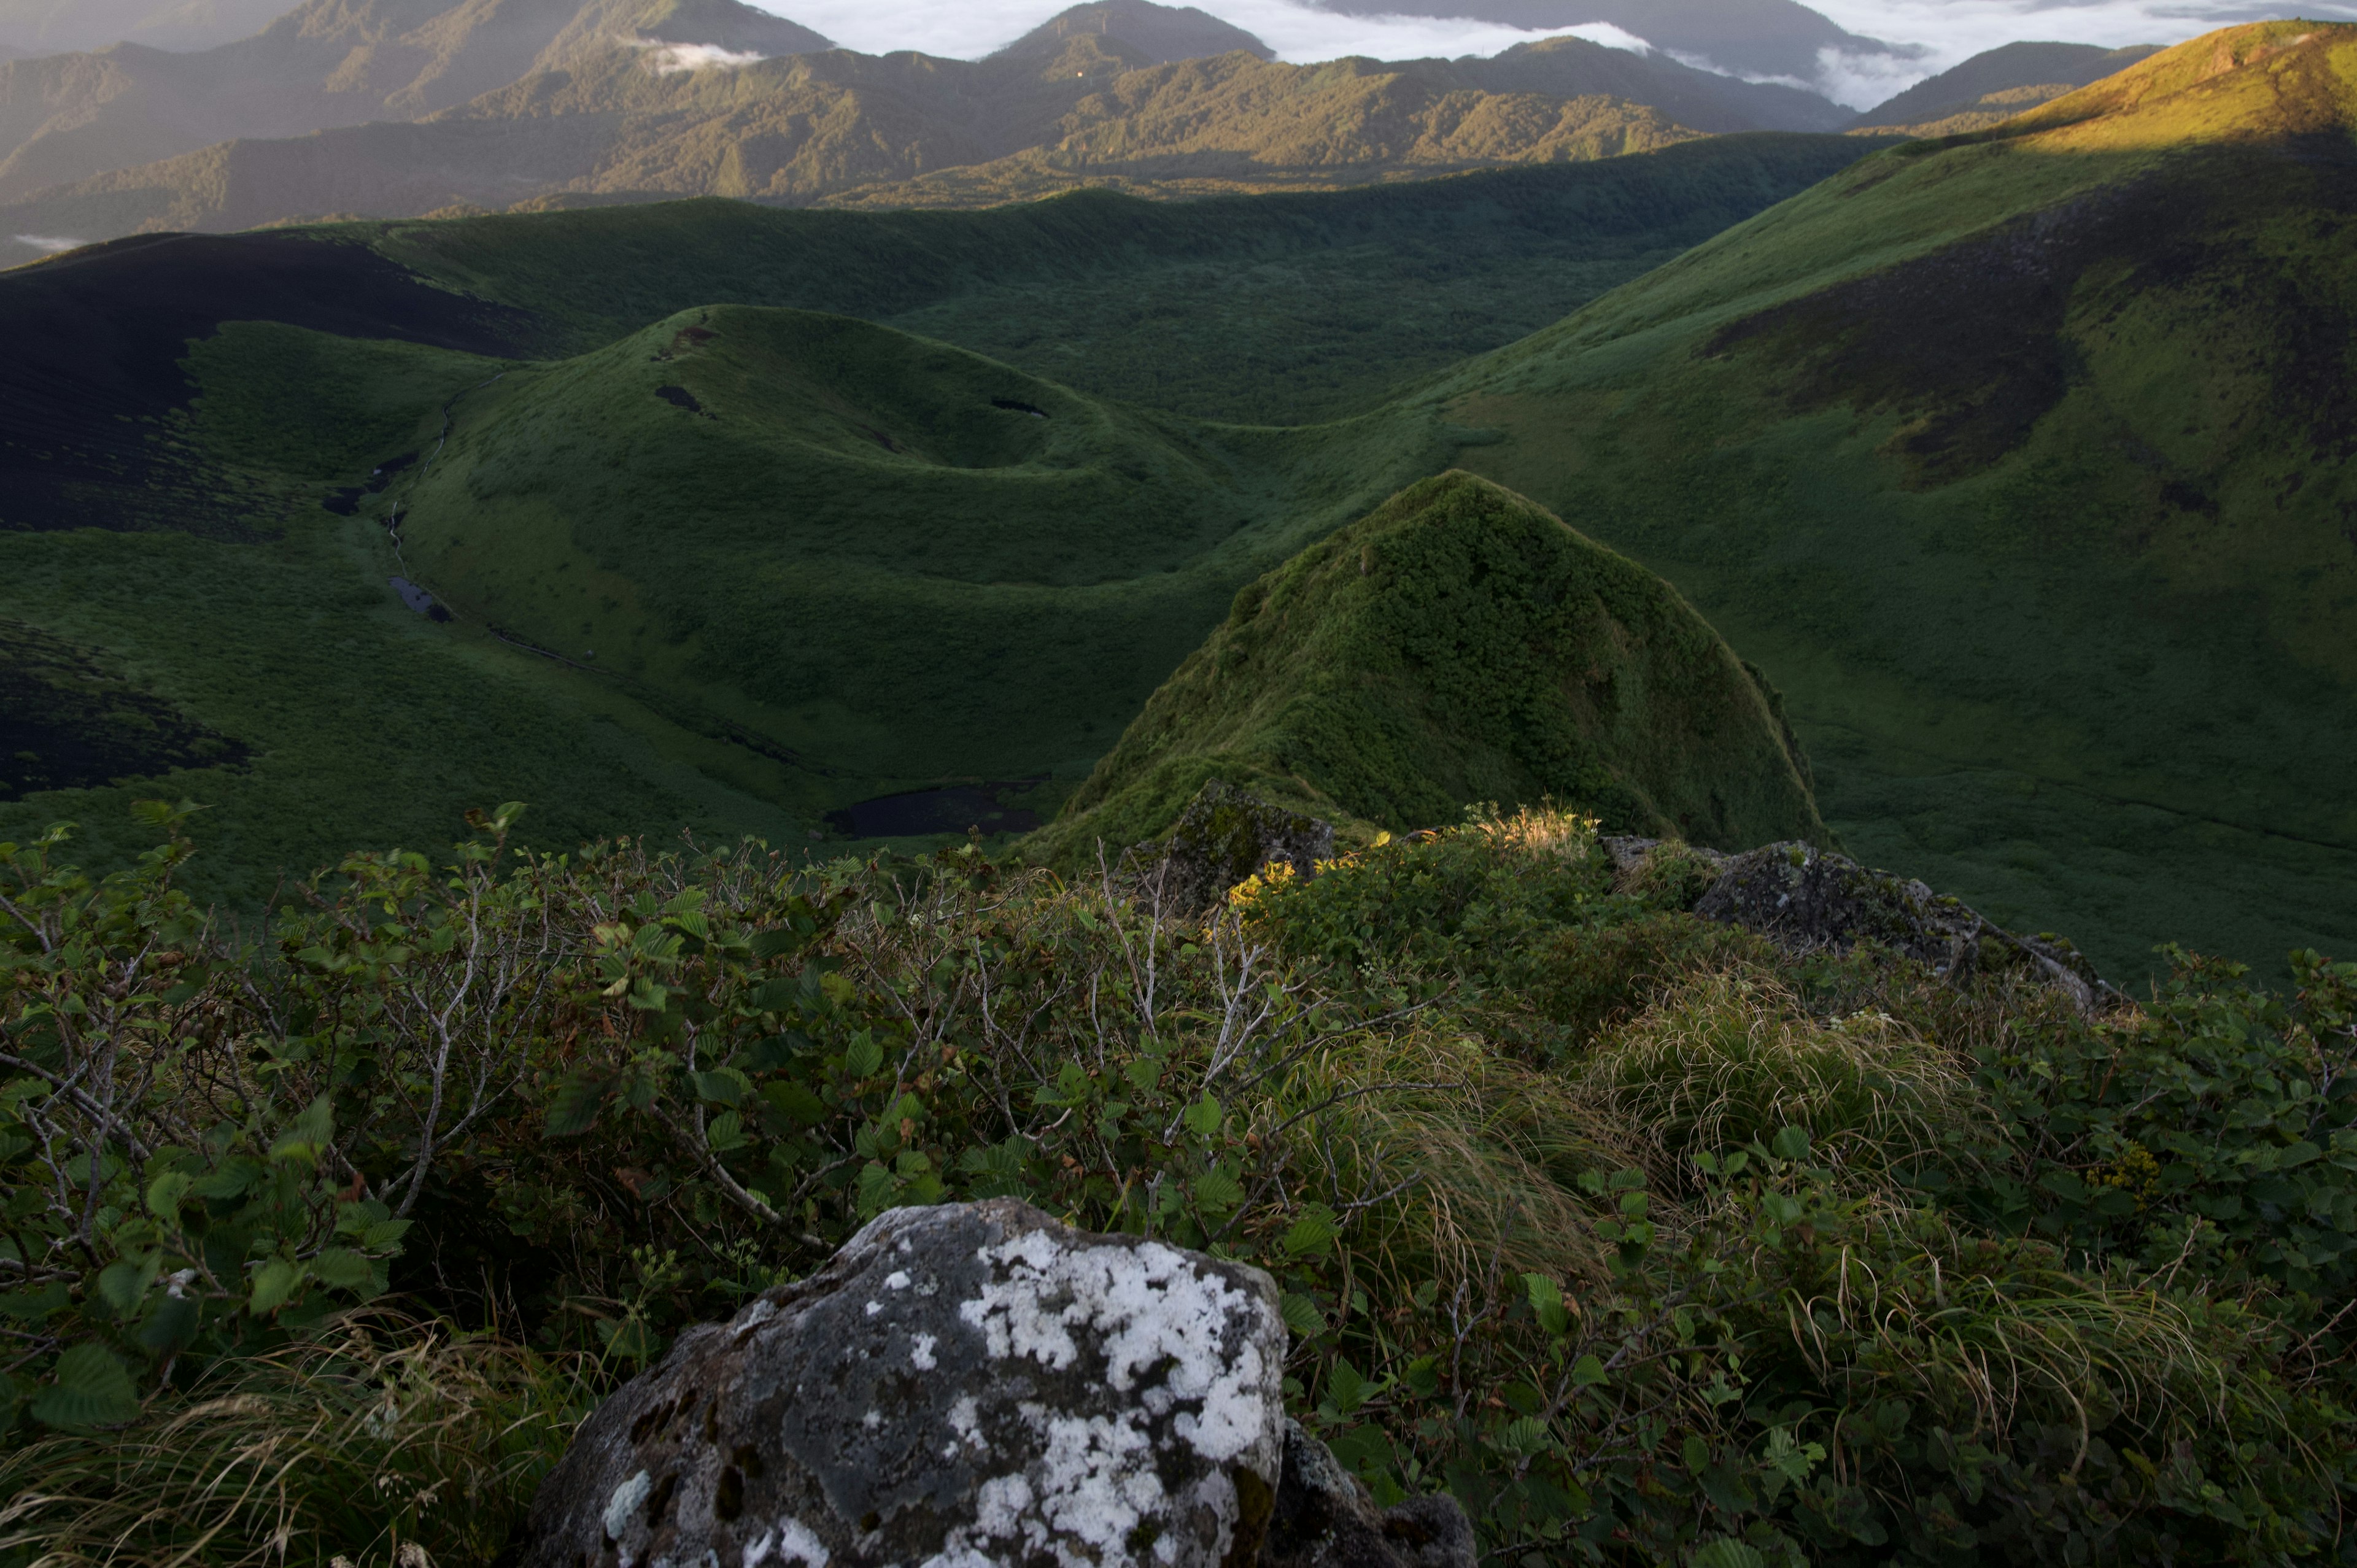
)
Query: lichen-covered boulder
[
  {"x": 1324, "y": 1519},
  {"x": 967, "y": 1385},
  {"x": 1804, "y": 897},
  {"x": 1223, "y": 837}
]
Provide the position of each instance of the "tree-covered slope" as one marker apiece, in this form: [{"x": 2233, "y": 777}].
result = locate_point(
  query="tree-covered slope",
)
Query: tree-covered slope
[
  {"x": 1458, "y": 645},
  {"x": 2020, "y": 462}
]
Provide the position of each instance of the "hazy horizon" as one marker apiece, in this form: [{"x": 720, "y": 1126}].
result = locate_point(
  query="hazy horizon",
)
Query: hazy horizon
[{"x": 1930, "y": 36}]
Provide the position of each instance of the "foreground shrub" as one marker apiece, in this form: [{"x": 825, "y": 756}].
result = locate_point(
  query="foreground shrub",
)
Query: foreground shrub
[{"x": 1731, "y": 1257}]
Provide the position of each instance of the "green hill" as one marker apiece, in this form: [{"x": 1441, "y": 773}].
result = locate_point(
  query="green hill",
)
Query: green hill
[
  {"x": 168, "y": 455},
  {"x": 2018, "y": 460},
  {"x": 1456, "y": 646},
  {"x": 1997, "y": 84}
]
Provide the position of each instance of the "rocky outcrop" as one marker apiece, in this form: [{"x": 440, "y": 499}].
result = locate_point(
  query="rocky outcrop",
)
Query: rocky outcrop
[
  {"x": 1324, "y": 1519},
  {"x": 962, "y": 1386},
  {"x": 1224, "y": 836},
  {"x": 1806, "y": 898}
]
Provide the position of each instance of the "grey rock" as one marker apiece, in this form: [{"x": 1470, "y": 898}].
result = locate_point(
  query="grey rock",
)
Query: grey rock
[
  {"x": 1223, "y": 837},
  {"x": 1806, "y": 898},
  {"x": 1324, "y": 1519},
  {"x": 966, "y": 1385}
]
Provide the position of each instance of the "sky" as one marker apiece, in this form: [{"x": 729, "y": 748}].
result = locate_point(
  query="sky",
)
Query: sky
[{"x": 1937, "y": 33}]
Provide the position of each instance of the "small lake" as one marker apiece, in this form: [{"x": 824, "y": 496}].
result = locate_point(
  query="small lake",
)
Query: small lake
[{"x": 948, "y": 810}]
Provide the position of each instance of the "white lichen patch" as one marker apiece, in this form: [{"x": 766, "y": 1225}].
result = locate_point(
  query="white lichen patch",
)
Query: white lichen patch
[
  {"x": 920, "y": 1351},
  {"x": 625, "y": 1503},
  {"x": 1146, "y": 1306},
  {"x": 792, "y": 1542},
  {"x": 1093, "y": 1496}
]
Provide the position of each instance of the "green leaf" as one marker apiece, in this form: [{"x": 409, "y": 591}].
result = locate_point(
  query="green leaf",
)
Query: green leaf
[
  {"x": 1546, "y": 1304},
  {"x": 1203, "y": 1117},
  {"x": 726, "y": 1086},
  {"x": 275, "y": 1283},
  {"x": 1217, "y": 1192},
  {"x": 795, "y": 1102},
  {"x": 1312, "y": 1235},
  {"x": 1727, "y": 1551},
  {"x": 776, "y": 943},
  {"x": 725, "y": 1131},
  {"x": 1346, "y": 1390},
  {"x": 383, "y": 1234},
  {"x": 166, "y": 1193},
  {"x": 123, "y": 1283},
  {"x": 1588, "y": 1372},
  {"x": 573, "y": 1110},
  {"x": 775, "y": 995},
  {"x": 864, "y": 1058},
  {"x": 90, "y": 1388},
  {"x": 1791, "y": 1144},
  {"x": 341, "y": 1267},
  {"x": 1301, "y": 1316}
]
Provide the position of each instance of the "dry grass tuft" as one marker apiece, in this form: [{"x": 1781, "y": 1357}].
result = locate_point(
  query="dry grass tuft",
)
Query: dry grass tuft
[
  {"x": 1727, "y": 1057},
  {"x": 378, "y": 1443}
]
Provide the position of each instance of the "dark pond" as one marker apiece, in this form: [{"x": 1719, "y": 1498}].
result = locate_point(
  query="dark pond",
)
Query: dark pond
[
  {"x": 949, "y": 810},
  {"x": 418, "y": 599}
]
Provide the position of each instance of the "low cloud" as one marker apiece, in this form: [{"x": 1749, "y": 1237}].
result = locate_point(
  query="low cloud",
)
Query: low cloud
[
  {"x": 1943, "y": 33},
  {"x": 50, "y": 244},
  {"x": 1926, "y": 35},
  {"x": 1297, "y": 32},
  {"x": 666, "y": 59}
]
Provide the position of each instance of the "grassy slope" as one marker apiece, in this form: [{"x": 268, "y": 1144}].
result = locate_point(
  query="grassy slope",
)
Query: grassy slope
[
  {"x": 2018, "y": 461},
  {"x": 866, "y": 548},
  {"x": 1268, "y": 309},
  {"x": 370, "y": 725},
  {"x": 1458, "y": 645}
]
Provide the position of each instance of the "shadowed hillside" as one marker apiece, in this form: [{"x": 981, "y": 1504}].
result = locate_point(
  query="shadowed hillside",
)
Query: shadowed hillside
[
  {"x": 1456, "y": 646},
  {"x": 2018, "y": 460}
]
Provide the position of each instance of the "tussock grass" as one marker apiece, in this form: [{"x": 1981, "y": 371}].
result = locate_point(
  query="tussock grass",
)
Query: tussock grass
[
  {"x": 1727, "y": 1058},
  {"x": 378, "y": 1442},
  {"x": 1467, "y": 1160}
]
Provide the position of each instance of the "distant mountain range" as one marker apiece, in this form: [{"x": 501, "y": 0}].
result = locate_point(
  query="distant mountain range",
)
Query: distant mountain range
[
  {"x": 392, "y": 108},
  {"x": 419, "y": 108},
  {"x": 1760, "y": 38}
]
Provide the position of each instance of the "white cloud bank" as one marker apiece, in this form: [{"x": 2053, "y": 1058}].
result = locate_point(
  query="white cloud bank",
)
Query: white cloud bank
[
  {"x": 1932, "y": 35},
  {"x": 1296, "y": 31},
  {"x": 666, "y": 59},
  {"x": 1942, "y": 33},
  {"x": 50, "y": 244}
]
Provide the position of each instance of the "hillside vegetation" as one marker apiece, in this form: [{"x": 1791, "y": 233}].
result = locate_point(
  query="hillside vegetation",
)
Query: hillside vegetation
[
  {"x": 1648, "y": 1240},
  {"x": 1456, "y": 644},
  {"x": 215, "y": 584},
  {"x": 2018, "y": 460}
]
